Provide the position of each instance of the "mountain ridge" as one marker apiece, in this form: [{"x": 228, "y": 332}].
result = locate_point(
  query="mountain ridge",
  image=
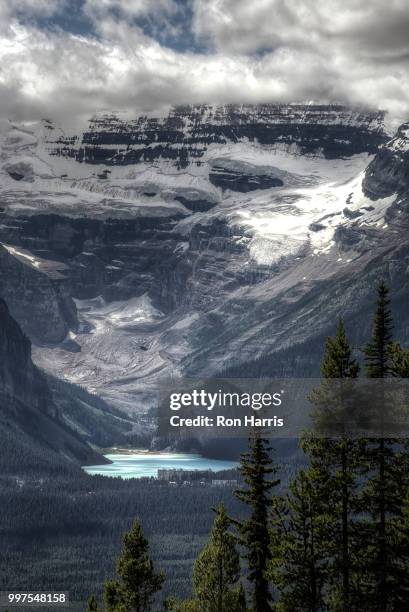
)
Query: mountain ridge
[
  {"x": 186, "y": 132},
  {"x": 170, "y": 270}
]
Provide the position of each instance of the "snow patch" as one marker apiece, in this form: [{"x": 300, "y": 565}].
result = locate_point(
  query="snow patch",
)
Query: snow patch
[
  {"x": 118, "y": 314},
  {"x": 25, "y": 255}
]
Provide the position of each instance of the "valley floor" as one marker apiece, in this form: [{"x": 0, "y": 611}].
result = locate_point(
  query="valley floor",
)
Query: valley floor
[{"x": 66, "y": 533}]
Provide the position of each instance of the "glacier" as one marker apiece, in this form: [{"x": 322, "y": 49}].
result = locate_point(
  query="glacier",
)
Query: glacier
[{"x": 193, "y": 243}]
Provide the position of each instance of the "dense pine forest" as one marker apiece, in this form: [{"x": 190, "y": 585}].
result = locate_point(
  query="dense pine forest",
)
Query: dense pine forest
[
  {"x": 325, "y": 530},
  {"x": 64, "y": 532},
  {"x": 336, "y": 540}
]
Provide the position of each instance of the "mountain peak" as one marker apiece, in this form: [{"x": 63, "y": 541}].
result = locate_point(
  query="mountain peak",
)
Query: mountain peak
[{"x": 388, "y": 173}]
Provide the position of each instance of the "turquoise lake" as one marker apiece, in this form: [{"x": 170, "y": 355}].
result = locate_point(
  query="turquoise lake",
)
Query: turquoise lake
[{"x": 140, "y": 464}]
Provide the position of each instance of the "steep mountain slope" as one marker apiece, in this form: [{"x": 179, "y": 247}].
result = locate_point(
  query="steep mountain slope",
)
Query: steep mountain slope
[
  {"x": 388, "y": 174},
  {"x": 33, "y": 435},
  {"x": 40, "y": 302},
  {"x": 94, "y": 420},
  {"x": 374, "y": 244},
  {"x": 193, "y": 242}
]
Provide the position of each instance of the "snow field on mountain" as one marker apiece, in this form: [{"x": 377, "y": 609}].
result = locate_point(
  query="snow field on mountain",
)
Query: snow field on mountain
[{"x": 286, "y": 237}]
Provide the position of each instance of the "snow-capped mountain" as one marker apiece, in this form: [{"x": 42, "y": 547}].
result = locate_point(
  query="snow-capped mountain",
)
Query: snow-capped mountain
[{"x": 140, "y": 248}]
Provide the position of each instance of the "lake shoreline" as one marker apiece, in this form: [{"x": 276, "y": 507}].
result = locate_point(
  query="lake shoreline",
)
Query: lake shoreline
[
  {"x": 120, "y": 450},
  {"x": 138, "y": 463}
]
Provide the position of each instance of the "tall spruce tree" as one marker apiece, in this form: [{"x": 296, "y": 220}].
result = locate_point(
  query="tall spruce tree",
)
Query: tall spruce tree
[
  {"x": 321, "y": 502},
  {"x": 378, "y": 350},
  {"x": 259, "y": 478},
  {"x": 378, "y": 365},
  {"x": 334, "y": 463},
  {"x": 297, "y": 567},
  {"x": 137, "y": 582},
  {"x": 216, "y": 572},
  {"x": 387, "y": 467}
]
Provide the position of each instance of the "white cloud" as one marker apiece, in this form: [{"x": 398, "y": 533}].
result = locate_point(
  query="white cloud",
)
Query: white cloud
[
  {"x": 242, "y": 26},
  {"x": 351, "y": 50},
  {"x": 9, "y": 9},
  {"x": 319, "y": 50},
  {"x": 129, "y": 8}
]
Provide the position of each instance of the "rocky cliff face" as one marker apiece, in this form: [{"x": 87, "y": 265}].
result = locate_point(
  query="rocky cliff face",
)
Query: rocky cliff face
[
  {"x": 186, "y": 244},
  {"x": 186, "y": 133},
  {"x": 29, "y": 419},
  {"x": 388, "y": 173},
  {"x": 111, "y": 258},
  {"x": 19, "y": 378},
  {"x": 242, "y": 177},
  {"x": 39, "y": 299}
]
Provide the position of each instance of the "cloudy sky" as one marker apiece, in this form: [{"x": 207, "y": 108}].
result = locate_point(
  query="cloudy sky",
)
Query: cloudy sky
[{"x": 66, "y": 58}]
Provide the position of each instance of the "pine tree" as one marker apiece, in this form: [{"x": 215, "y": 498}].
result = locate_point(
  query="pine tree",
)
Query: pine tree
[
  {"x": 297, "y": 568},
  {"x": 378, "y": 365},
  {"x": 318, "y": 536},
  {"x": 334, "y": 462},
  {"x": 257, "y": 470},
  {"x": 387, "y": 467},
  {"x": 137, "y": 581},
  {"x": 217, "y": 569},
  {"x": 378, "y": 350},
  {"x": 92, "y": 604}
]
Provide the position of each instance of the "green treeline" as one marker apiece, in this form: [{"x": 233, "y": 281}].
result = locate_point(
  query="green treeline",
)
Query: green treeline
[{"x": 337, "y": 540}]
